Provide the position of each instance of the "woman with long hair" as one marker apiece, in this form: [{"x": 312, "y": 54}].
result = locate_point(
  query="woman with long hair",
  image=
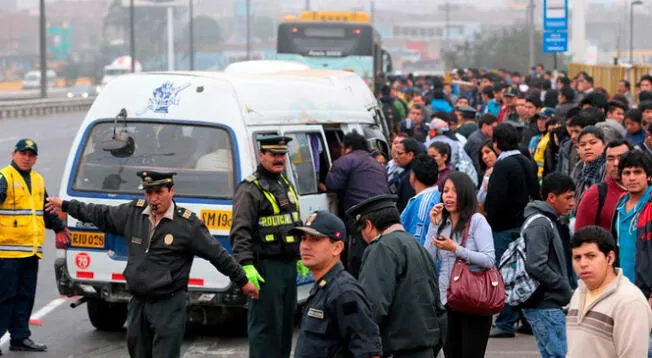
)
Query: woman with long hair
[
  {"x": 453, "y": 219},
  {"x": 441, "y": 153},
  {"x": 488, "y": 158},
  {"x": 591, "y": 168}
]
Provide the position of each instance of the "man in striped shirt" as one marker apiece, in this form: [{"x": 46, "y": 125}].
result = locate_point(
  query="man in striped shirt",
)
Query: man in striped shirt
[{"x": 423, "y": 179}]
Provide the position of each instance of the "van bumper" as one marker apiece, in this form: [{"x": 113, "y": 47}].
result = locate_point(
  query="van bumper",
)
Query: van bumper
[{"x": 117, "y": 291}]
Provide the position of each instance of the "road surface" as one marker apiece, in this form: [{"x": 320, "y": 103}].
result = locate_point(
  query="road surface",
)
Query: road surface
[{"x": 68, "y": 332}]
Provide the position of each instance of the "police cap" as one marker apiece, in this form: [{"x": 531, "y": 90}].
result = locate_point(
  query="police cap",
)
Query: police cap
[
  {"x": 26, "y": 144},
  {"x": 372, "y": 205},
  {"x": 275, "y": 144},
  {"x": 153, "y": 180},
  {"x": 467, "y": 111},
  {"x": 322, "y": 223},
  {"x": 546, "y": 112},
  {"x": 510, "y": 91}
]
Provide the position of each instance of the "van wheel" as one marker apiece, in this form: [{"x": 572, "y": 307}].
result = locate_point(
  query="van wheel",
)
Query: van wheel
[{"x": 106, "y": 316}]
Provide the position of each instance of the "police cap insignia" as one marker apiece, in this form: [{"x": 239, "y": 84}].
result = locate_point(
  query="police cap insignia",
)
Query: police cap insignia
[{"x": 310, "y": 219}]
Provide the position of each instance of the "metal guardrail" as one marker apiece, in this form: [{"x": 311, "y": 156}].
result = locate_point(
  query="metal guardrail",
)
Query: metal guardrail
[{"x": 39, "y": 107}]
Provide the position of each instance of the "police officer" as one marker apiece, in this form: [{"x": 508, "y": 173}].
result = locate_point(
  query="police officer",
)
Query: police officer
[
  {"x": 22, "y": 232},
  {"x": 337, "y": 319},
  {"x": 265, "y": 209},
  {"x": 163, "y": 238},
  {"x": 399, "y": 278}
]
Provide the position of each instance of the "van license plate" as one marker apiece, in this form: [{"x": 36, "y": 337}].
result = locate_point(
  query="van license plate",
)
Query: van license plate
[
  {"x": 87, "y": 239},
  {"x": 216, "y": 219}
]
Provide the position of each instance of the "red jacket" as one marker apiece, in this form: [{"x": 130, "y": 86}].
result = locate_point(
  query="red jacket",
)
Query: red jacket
[{"x": 586, "y": 211}]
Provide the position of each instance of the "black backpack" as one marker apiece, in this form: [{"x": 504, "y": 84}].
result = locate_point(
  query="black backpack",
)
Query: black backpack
[{"x": 602, "y": 195}]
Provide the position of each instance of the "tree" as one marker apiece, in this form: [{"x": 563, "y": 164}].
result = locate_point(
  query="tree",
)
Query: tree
[
  {"x": 505, "y": 48},
  {"x": 150, "y": 25},
  {"x": 207, "y": 33}
]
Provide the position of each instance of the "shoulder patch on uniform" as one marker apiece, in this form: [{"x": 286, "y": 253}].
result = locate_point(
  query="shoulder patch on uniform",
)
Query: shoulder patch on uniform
[
  {"x": 185, "y": 213},
  {"x": 251, "y": 178},
  {"x": 139, "y": 203},
  {"x": 350, "y": 307}
]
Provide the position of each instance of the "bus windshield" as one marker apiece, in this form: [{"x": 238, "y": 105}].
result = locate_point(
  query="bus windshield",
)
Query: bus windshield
[
  {"x": 202, "y": 157},
  {"x": 325, "y": 39}
]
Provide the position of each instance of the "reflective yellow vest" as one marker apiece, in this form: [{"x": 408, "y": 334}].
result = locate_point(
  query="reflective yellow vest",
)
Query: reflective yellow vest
[
  {"x": 22, "y": 228},
  {"x": 269, "y": 224}
]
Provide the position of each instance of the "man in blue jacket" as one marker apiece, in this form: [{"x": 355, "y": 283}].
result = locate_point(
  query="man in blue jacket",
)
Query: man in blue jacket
[{"x": 355, "y": 177}]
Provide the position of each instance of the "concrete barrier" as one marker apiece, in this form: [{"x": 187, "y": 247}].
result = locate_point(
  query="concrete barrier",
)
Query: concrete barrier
[{"x": 40, "y": 107}]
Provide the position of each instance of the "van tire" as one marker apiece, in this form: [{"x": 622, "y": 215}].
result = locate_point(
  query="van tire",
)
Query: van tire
[{"x": 106, "y": 316}]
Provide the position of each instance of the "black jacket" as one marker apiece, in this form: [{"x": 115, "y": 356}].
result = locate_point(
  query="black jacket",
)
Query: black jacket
[
  {"x": 158, "y": 265},
  {"x": 547, "y": 258},
  {"x": 336, "y": 322},
  {"x": 399, "y": 277},
  {"x": 511, "y": 186},
  {"x": 249, "y": 205}
]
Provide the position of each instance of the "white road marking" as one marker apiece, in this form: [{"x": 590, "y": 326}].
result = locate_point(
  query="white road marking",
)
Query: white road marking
[{"x": 38, "y": 315}]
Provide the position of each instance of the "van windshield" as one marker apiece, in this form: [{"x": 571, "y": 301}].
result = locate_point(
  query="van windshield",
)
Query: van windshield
[{"x": 202, "y": 157}]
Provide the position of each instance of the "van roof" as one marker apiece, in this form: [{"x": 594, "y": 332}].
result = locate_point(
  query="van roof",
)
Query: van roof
[{"x": 267, "y": 98}]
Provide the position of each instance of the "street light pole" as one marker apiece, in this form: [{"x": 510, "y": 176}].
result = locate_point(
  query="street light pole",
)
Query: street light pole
[
  {"x": 531, "y": 31},
  {"x": 192, "y": 36},
  {"x": 248, "y": 17},
  {"x": 631, "y": 29},
  {"x": 43, "y": 50},
  {"x": 132, "y": 36}
]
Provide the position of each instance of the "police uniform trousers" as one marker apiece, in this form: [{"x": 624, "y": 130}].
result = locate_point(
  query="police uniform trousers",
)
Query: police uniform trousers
[
  {"x": 155, "y": 326},
  {"x": 17, "y": 290},
  {"x": 271, "y": 317}
]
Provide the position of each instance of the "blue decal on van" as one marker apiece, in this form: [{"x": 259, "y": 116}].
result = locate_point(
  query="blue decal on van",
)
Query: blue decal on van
[{"x": 164, "y": 97}]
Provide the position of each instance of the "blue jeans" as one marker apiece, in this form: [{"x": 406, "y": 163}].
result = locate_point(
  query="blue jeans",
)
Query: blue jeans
[
  {"x": 510, "y": 315},
  {"x": 17, "y": 291},
  {"x": 549, "y": 328}
]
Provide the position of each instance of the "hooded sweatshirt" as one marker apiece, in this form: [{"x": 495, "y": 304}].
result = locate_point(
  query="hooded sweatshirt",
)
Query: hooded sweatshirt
[{"x": 547, "y": 257}]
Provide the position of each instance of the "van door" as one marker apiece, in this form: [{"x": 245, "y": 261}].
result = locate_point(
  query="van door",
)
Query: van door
[{"x": 309, "y": 159}]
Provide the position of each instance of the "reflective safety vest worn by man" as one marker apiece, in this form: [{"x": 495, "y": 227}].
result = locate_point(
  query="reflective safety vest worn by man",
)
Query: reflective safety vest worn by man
[
  {"x": 265, "y": 209},
  {"x": 22, "y": 229},
  {"x": 22, "y": 232}
]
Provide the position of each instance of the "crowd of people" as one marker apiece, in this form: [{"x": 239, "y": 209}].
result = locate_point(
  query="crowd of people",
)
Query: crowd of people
[{"x": 490, "y": 157}]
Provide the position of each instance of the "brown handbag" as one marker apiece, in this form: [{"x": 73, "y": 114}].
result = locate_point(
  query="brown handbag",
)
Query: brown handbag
[{"x": 479, "y": 293}]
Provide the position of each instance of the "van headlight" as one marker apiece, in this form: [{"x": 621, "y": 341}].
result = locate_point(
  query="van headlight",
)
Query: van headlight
[{"x": 70, "y": 95}]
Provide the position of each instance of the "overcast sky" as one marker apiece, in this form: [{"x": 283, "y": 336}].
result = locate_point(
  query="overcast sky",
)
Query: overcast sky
[{"x": 27, "y": 4}]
